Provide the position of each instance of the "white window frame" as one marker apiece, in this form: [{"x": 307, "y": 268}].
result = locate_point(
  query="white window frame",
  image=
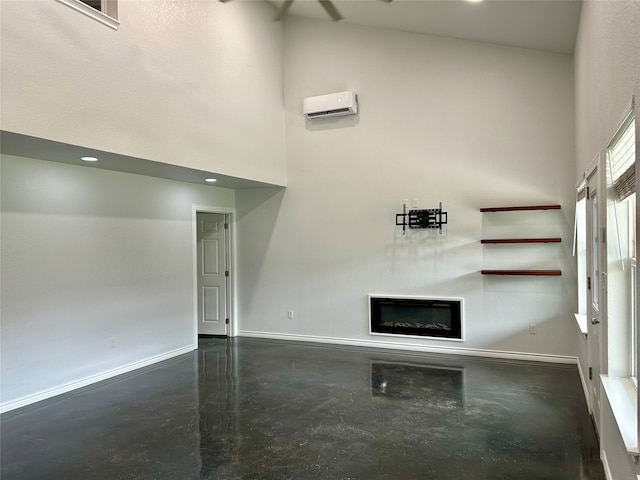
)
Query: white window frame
[
  {"x": 108, "y": 15},
  {"x": 633, "y": 360},
  {"x": 619, "y": 386},
  {"x": 624, "y": 356}
]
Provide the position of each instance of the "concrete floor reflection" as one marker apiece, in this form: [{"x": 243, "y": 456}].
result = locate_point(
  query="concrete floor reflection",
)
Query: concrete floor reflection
[{"x": 260, "y": 409}]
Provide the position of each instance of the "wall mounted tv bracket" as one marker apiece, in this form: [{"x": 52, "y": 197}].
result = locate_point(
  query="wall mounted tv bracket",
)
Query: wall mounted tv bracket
[{"x": 428, "y": 218}]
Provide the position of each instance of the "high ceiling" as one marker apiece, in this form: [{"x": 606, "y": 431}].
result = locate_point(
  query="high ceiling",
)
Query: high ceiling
[{"x": 548, "y": 25}]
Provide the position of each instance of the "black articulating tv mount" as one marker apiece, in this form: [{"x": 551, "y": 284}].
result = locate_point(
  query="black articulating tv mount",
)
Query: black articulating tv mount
[{"x": 429, "y": 218}]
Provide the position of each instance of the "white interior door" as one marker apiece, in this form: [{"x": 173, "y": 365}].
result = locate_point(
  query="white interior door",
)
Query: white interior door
[
  {"x": 594, "y": 296},
  {"x": 213, "y": 273}
]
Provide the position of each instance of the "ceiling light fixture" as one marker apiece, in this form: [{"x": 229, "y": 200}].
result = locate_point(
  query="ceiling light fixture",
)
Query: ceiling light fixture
[
  {"x": 210, "y": 180},
  {"x": 89, "y": 159}
]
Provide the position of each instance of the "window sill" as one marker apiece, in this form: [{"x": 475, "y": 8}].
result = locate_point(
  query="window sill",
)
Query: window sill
[
  {"x": 623, "y": 398},
  {"x": 92, "y": 12},
  {"x": 582, "y": 323}
]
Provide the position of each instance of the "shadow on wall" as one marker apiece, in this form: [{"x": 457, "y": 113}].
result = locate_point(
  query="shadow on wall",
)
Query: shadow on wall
[
  {"x": 423, "y": 246},
  {"x": 247, "y": 200},
  {"x": 257, "y": 212}
]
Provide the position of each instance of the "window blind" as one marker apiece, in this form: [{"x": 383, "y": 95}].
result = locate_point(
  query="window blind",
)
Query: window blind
[{"x": 622, "y": 158}]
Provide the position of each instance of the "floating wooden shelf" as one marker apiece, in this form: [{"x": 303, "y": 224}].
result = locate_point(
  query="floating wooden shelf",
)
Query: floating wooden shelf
[
  {"x": 538, "y": 273},
  {"x": 522, "y": 240},
  {"x": 515, "y": 209}
]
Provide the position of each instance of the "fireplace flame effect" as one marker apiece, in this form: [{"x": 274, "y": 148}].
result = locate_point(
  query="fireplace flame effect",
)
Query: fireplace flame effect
[{"x": 427, "y": 326}]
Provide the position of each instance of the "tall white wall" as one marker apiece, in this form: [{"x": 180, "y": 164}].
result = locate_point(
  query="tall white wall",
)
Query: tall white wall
[
  {"x": 607, "y": 70},
  {"x": 186, "y": 82},
  {"x": 97, "y": 271},
  {"x": 468, "y": 124}
]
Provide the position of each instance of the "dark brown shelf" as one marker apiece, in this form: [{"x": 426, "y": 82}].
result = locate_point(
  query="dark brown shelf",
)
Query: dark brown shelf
[
  {"x": 515, "y": 209},
  {"x": 522, "y": 240},
  {"x": 538, "y": 273}
]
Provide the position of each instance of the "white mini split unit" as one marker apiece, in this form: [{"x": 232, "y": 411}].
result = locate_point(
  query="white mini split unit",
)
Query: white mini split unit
[{"x": 331, "y": 105}]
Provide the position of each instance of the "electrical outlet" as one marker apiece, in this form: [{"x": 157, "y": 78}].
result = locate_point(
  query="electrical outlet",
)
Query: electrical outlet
[
  {"x": 290, "y": 314},
  {"x": 114, "y": 343},
  {"x": 533, "y": 329},
  {"x": 415, "y": 202}
]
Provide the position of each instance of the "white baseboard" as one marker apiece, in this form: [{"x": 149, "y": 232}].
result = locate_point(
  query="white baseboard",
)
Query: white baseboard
[
  {"x": 605, "y": 464},
  {"x": 477, "y": 352},
  {"x": 68, "y": 387},
  {"x": 583, "y": 381}
]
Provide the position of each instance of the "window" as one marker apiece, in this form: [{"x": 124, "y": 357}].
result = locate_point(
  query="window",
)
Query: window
[
  {"x": 97, "y": 4},
  {"x": 108, "y": 7},
  {"x": 595, "y": 253},
  {"x": 633, "y": 345},
  {"x": 580, "y": 250},
  {"x": 633, "y": 367},
  {"x": 104, "y": 11},
  {"x": 621, "y": 252}
]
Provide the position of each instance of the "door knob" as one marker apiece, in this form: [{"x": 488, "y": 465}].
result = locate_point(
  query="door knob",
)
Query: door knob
[{"x": 595, "y": 321}]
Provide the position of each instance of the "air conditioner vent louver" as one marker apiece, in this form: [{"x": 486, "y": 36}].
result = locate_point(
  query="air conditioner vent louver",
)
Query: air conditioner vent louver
[{"x": 328, "y": 112}]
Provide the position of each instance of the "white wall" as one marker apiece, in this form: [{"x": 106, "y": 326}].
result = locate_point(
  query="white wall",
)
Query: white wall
[
  {"x": 90, "y": 257},
  {"x": 190, "y": 83},
  {"x": 607, "y": 69},
  {"x": 468, "y": 124}
]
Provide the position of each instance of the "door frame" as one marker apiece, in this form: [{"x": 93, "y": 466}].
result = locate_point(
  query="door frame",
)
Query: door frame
[
  {"x": 593, "y": 188},
  {"x": 232, "y": 330},
  {"x": 596, "y": 179}
]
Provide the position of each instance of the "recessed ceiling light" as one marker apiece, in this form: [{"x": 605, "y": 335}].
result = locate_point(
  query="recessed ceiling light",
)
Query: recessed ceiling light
[
  {"x": 210, "y": 180},
  {"x": 89, "y": 159},
  {"x": 475, "y": 1}
]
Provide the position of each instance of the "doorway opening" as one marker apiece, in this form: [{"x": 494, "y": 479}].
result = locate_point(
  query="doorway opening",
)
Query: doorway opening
[{"x": 214, "y": 267}]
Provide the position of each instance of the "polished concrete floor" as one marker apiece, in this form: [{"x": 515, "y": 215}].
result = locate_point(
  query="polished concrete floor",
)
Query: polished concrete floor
[{"x": 260, "y": 409}]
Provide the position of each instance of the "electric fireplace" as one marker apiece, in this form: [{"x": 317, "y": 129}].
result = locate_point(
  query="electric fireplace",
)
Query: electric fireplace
[{"x": 416, "y": 316}]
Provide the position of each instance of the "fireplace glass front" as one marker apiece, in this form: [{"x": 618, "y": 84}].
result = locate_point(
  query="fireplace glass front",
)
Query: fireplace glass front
[{"x": 425, "y": 317}]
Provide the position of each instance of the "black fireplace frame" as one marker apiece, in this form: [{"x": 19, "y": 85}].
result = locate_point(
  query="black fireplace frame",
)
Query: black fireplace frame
[{"x": 376, "y": 327}]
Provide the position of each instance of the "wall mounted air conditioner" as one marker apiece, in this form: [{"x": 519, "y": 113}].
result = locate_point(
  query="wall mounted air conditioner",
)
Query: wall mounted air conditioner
[{"x": 331, "y": 105}]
